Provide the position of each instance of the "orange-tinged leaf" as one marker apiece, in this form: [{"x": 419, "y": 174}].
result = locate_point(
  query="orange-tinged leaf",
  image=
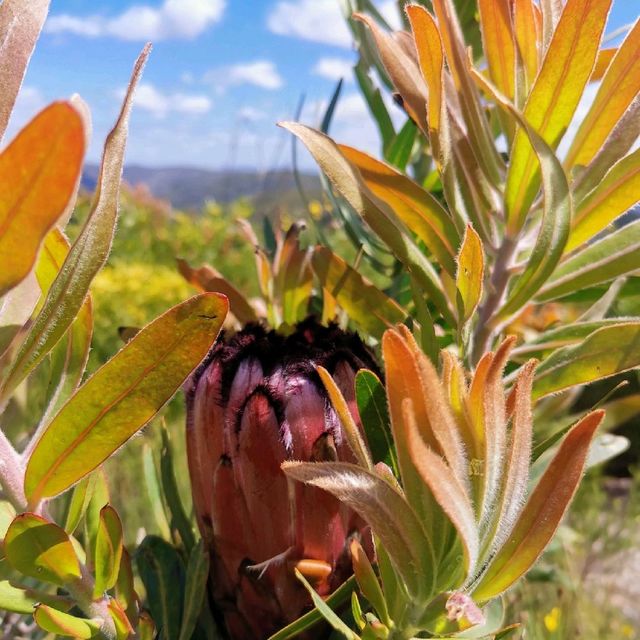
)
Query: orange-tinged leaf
[
  {"x": 124, "y": 629},
  {"x": 554, "y": 98},
  {"x": 123, "y": 395},
  {"x": 40, "y": 549},
  {"x": 605, "y": 56},
  {"x": 498, "y": 41},
  {"x": 528, "y": 37},
  {"x": 368, "y": 581},
  {"x": 38, "y": 175},
  {"x": 542, "y": 513},
  {"x": 20, "y": 25},
  {"x": 470, "y": 274},
  {"x": 206, "y": 278},
  {"x": 108, "y": 551},
  {"x": 417, "y": 208},
  {"x": 431, "y": 57},
  {"x": 619, "y": 87},
  {"x": 617, "y": 193},
  {"x": 402, "y": 70},
  {"x": 64, "y": 624},
  {"x": 451, "y": 496}
]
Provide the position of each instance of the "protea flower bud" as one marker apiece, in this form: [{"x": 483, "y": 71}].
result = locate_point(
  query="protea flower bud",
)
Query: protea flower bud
[{"x": 255, "y": 403}]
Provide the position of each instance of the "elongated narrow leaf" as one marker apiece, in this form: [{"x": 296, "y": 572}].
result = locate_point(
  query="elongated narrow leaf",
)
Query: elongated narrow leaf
[
  {"x": 367, "y": 306},
  {"x": 498, "y": 41},
  {"x": 64, "y": 624},
  {"x": 554, "y": 98},
  {"x": 327, "y": 613},
  {"x": 617, "y": 193},
  {"x": 527, "y": 40},
  {"x": 20, "y": 26},
  {"x": 542, "y": 513},
  {"x": 417, "y": 208},
  {"x": 352, "y": 433},
  {"x": 195, "y": 589},
  {"x": 40, "y": 549},
  {"x": 79, "y": 503},
  {"x": 383, "y": 507},
  {"x": 87, "y": 255},
  {"x": 402, "y": 70},
  {"x": 347, "y": 181},
  {"x": 607, "y": 351},
  {"x": 616, "y": 255},
  {"x": 619, "y": 87},
  {"x": 163, "y": 576},
  {"x": 309, "y": 619},
  {"x": 470, "y": 274},
  {"x": 108, "y": 551},
  {"x": 556, "y": 220},
  {"x": 125, "y": 588},
  {"x": 374, "y": 416},
  {"x": 368, "y": 581},
  {"x": 123, "y": 395},
  {"x": 38, "y": 174},
  {"x": 206, "y": 278}
]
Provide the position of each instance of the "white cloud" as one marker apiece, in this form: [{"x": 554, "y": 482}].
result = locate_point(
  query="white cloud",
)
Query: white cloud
[
  {"x": 260, "y": 73},
  {"x": 334, "y": 69},
  {"x": 173, "y": 19},
  {"x": 320, "y": 20},
  {"x": 250, "y": 114},
  {"x": 151, "y": 99},
  {"x": 29, "y": 102}
]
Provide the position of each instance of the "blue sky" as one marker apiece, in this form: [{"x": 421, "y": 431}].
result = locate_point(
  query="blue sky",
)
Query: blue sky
[{"x": 221, "y": 74}]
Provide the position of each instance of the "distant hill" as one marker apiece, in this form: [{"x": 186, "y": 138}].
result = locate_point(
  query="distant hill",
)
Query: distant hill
[{"x": 190, "y": 188}]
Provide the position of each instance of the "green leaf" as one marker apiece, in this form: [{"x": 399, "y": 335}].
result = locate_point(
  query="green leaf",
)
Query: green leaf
[
  {"x": 380, "y": 218},
  {"x": 162, "y": 573},
  {"x": 339, "y": 597},
  {"x": 20, "y": 25},
  {"x": 78, "y": 504},
  {"x": 64, "y": 624},
  {"x": 123, "y": 395},
  {"x": 15, "y": 599},
  {"x": 86, "y": 257},
  {"x": 154, "y": 495},
  {"x": 42, "y": 550},
  {"x": 617, "y": 254},
  {"x": 374, "y": 416},
  {"x": 605, "y": 447},
  {"x": 605, "y": 352},
  {"x": 179, "y": 521},
  {"x": 399, "y": 152},
  {"x": 108, "y": 551},
  {"x": 327, "y": 613},
  {"x": 371, "y": 309},
  {"x": 195, "y": 589},
  {"x": 368, "y": 582},
  {"x": 38, "y": 175},
  {"x": 470, "y": 274}
]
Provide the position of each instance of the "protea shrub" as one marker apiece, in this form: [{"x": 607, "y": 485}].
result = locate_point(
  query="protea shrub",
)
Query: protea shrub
[{"x": 257, "y": 402}]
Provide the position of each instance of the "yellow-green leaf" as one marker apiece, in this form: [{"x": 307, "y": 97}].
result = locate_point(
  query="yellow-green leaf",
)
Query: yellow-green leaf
[
  {"x": 15, "y": 599},
  {"x": 470, "y": 274},
  {"x": 542, "y": 513},
  {"x": 528, "y": 39},
  {"x": 607, "y": 351},
  {"x": 108, "y": 551},
  {"x": 554, "y": 98},
  {"x": 64, "y": 624},
  {"x": 417, "y": 208},
  {"x": 618, "y": 89},
  {"x": 38, "y": 175},
  {"x": 123, "y": 395},
  {"x": 618, "y": 192},
  {"x": 367, "y": 306},
  {"x": 40, "y": 549}
]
